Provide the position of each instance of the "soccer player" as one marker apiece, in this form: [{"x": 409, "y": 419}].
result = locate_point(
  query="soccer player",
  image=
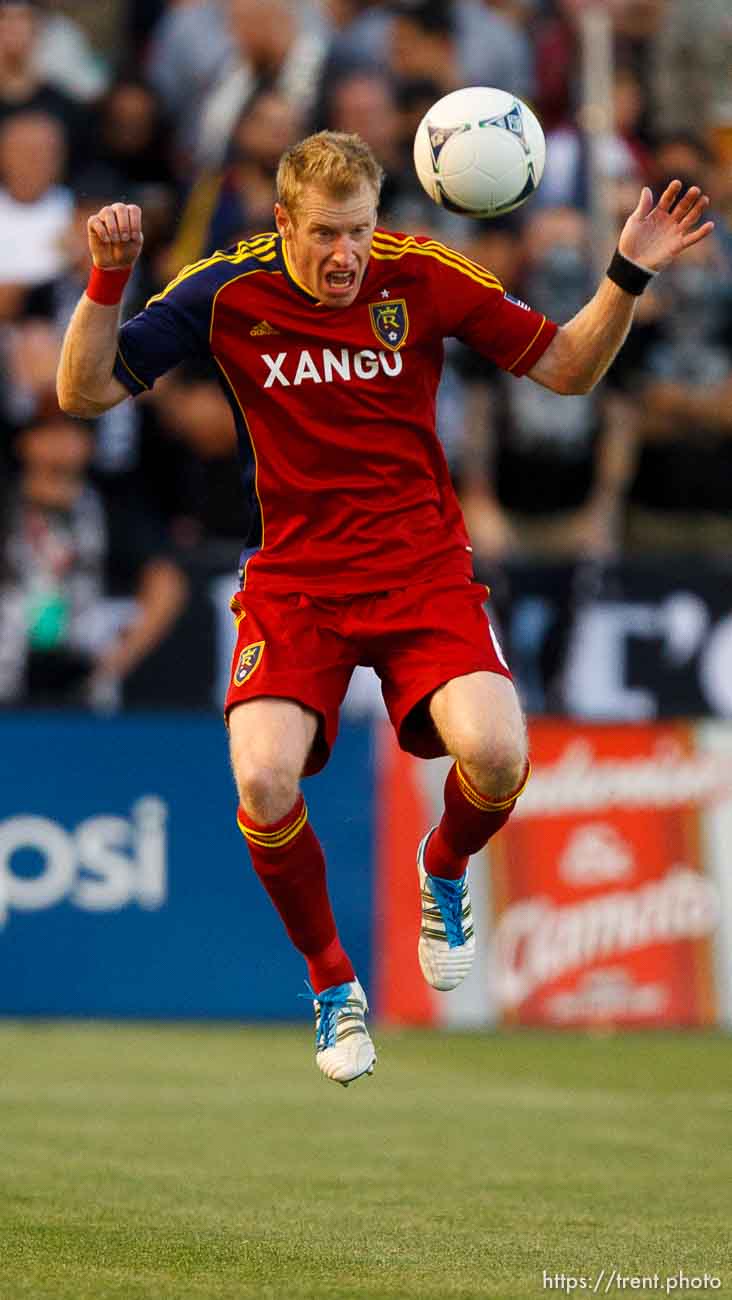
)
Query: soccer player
[{"x": 327, "y": 335}]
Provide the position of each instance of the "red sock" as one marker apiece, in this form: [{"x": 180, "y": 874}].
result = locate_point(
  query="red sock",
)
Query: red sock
[
  {"x": 468, "y": 822},
  {"x": 289, "y": 861}
]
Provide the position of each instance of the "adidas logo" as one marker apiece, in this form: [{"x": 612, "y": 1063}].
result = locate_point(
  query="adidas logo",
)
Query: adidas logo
[{"x": 263, "y": 327}]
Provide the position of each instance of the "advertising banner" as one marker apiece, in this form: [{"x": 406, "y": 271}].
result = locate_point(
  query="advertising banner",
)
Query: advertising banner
[
  {"x": 126, "y": 890},
  {"x": 603, "y": 902},
  {"x": 126, "y": 887}
]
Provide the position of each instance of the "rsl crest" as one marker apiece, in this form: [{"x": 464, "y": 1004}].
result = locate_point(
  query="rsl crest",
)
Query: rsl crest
[
  {"x": 390, "y": 322},
  {"x": 248, "y": 662}
]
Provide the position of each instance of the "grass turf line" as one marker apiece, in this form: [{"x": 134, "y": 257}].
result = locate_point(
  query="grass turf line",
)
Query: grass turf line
[{"x": 214, "y": 1163}]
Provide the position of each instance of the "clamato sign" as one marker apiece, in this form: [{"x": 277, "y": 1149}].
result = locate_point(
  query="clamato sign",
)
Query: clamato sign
[
  {"x": 595, "y": 906},
  {"x": 603, "y": 913}
]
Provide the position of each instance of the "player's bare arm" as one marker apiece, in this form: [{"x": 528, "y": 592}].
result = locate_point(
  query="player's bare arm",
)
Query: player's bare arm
[
  {"x": 651, "y": 239},
  {"x": 85, "y": 383}
]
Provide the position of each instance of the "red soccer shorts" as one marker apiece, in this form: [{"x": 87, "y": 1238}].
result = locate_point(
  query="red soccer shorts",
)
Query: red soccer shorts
[{"x": 416, "y": 638}]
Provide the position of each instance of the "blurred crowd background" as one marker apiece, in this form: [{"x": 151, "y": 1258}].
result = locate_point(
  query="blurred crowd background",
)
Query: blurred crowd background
[{"x": 184, "y": 107}]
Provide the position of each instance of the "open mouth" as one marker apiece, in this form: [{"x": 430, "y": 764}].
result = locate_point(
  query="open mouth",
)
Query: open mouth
[{"x": 340, "y": 281}]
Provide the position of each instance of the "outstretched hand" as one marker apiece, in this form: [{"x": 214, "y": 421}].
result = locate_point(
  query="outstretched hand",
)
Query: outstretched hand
[
  {"x": 115, "y": 236},
  {"x": 654, "y": 236}
]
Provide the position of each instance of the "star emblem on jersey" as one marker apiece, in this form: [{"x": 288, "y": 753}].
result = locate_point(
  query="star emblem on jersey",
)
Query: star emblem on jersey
[
  {"x": 385, "y": 293},
  {"x": 390, "y": 322},
  {"x": 248, "y": 662}
]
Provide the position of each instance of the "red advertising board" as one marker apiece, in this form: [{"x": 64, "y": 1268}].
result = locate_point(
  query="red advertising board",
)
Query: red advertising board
[
  {"x": 598, "y": 909},
  {"x": 602, "y": 909}
]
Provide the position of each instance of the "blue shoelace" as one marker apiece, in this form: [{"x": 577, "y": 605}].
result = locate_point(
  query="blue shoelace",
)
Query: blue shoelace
[
  {"x": 448, "y": 896},
  {"x": 331, "y": 1001}
]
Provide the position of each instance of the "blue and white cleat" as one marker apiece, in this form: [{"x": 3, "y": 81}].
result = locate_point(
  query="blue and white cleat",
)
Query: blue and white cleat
[
  {"x": 343, "y": 1048},
  {"x": 447, "y": 936}
]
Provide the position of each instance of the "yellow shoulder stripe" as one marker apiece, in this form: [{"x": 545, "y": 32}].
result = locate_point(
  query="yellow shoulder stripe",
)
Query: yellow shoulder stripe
[
  {"x": 264, "y": 251},
  {"x": 488, "y": 282},
  {"x": 449, "y": 255},
  {"x": 441, "y": 252},
  {"x": 425, "y": 252}
]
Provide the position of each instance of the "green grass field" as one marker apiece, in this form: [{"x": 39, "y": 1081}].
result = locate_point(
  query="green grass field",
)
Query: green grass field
[{"x": 216, "y": 1164}]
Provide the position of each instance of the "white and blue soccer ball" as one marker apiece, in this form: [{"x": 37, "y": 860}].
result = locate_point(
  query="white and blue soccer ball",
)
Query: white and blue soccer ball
[{"x": 479, "y": 151}]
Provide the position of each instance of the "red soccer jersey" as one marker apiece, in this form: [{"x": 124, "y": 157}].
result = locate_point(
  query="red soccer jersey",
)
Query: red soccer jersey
[{"x": 337, "y": 405}]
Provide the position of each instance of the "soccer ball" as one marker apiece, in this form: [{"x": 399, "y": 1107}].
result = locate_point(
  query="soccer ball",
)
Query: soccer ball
[{"x": 479, "y": 151}]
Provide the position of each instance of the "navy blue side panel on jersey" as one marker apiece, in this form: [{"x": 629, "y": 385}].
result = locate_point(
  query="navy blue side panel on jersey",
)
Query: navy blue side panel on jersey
[{"x": 253, "y": 534}]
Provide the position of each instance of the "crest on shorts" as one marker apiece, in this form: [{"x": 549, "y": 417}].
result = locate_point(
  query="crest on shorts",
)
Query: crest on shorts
[
  {"x": 248, "y": 662},
  {"x": 390, "y": 322}
]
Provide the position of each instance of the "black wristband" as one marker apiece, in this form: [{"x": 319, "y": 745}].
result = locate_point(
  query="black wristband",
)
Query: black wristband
[{"x": 627, "y": 275}]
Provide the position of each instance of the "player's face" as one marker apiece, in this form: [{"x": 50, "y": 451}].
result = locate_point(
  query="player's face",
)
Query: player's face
[{"x": 328, "y": 241}]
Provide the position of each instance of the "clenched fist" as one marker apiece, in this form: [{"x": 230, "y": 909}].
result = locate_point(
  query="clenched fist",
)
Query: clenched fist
[{"x": 115, "y": 236}]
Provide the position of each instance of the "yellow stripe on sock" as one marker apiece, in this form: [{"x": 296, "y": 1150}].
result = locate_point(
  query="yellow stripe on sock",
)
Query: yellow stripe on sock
[
  {"x": 469, "y": 793},
  {"x": 274, "y": 839},
  {"x": 525, "y": 781},
  {"x": 481, "y": 801}
]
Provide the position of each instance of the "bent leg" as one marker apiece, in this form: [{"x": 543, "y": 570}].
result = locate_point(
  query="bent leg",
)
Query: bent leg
[
  {"x": 270, "y": 742},
  {"x": 481, "y": 724}
]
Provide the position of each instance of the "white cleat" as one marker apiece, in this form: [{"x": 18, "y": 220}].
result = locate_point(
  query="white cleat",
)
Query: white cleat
[
  {"x": 343, "y": 1048},
  {"x": 446, "y": 937}
]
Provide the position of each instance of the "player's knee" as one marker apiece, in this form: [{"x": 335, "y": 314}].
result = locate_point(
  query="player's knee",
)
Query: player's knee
[
  {"x": 267, "y": 791},
  {"x": 495, "y": 761}
]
